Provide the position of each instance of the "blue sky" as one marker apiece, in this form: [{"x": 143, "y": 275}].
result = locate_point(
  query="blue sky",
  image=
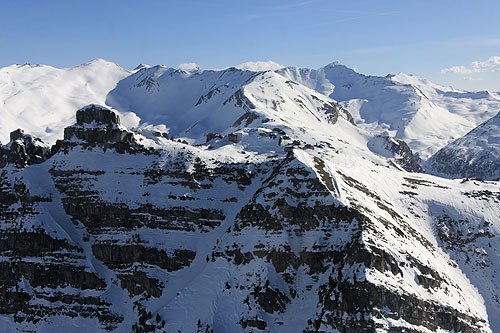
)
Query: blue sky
[{"x": 438, "y": 40}]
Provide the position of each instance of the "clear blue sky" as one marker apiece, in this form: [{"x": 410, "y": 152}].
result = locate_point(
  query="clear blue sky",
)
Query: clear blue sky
[{"x": 373, "y": 36}]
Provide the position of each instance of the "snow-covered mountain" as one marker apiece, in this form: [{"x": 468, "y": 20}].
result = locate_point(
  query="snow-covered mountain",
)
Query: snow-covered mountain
[
  {"x": 476, "y": 154},
  {"x": 191, "y": 105},
  {"x": 41, "y": 99},
  {"x": 425, "y": 115},
  {"x": 243, "y": 201},
  {"x": 259, "y": 66}
]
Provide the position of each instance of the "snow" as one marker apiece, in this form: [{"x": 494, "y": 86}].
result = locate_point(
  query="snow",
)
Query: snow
[
  {"x": 379, "y": 145},
  {"x": 259, "y": 66},
  {"x": 476, "y": 154},
  {"x": 42, "y": 100},
  {"x": 425, "y": 115},
  {"x": 278, "y": 118},
  {"x": 189, "y": 67}
]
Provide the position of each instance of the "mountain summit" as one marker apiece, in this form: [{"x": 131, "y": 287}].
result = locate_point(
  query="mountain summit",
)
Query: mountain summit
[{"x": 244, "y": 201}]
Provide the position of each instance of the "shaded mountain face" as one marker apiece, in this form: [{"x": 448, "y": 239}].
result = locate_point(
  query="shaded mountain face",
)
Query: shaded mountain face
[
  {"x": 476, "y": 154},
  {"x": 244, "y": 202}
]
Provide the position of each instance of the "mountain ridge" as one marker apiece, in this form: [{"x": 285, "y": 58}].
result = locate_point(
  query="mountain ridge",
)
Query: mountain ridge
[
  {"x": 476, "y": 154},
  {"x": 240, "y": 201},
  {"x": 288, "y": 214}
]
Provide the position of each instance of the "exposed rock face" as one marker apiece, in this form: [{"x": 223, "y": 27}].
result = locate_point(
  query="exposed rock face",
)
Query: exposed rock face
[
  {"x": 98, "y": 125},
  {"x": 23, "y": 150},
  {"x": 234, "y": 137},
  {"x": 37, "y": 267},
  {"x": 146, "y": 240},
  {"x": 397, "y": 150},
  {"x": 96, "y": 114}
]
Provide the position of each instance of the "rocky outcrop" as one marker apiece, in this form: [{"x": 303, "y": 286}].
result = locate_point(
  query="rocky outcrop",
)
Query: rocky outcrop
[
  {"x": 23, "y": 150},
  {"x": 183, "y": 239},
  {"x": 396, "y": 150},
  {"x": 343, "y": 258},
  {"x": 98, "y": 125}
]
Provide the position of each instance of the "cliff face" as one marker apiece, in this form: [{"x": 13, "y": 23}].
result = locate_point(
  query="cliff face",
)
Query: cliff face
[
  {"x": 23, "y": 149},
  {"x": 129, "y": 230}
]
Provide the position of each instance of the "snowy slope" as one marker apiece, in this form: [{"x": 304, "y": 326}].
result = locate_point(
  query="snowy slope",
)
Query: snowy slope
[
  {"x": 259, "y": 66},
  {"x": 187, "y": 103},
  {"x": 295, "y": 226},
  {"x": 426, "y": 116},
  {"x": 41, "y": 99},
  {"x": 220, "y": 101},
  {"x": 476, "y": 154},
  {"x": 246, "y": 202}
]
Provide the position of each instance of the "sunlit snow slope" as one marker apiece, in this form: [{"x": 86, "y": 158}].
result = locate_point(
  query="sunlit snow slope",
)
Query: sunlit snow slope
[
  {"x": 41, "y": 99},
  {"x": 243, "y": 201},
  {"x": 423, "y": 114}
]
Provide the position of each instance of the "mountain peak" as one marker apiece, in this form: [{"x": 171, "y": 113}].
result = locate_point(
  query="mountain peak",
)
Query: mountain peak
[
  {"x": 141, "y": 66},
  {"x": 339, "y": 67},
  {"x": 189, "y": 67},
  {"x": 99, "y": 62},
  {"x": 259, "y": 66},
  {"x": 335, "y": 63}
]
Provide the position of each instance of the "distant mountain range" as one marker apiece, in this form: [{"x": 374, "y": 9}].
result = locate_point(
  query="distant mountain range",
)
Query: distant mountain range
[{"x": 258, "y": 198}]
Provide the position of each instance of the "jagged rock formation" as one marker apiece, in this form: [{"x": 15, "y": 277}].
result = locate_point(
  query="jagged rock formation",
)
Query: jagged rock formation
[
  {"x": 476, "y": 154},
  {"x": 282, "y": 235},
  {"x": 397, "y": 150},
  {"x": 97, "y": 125},
  {"x": 23, "y": 150}
]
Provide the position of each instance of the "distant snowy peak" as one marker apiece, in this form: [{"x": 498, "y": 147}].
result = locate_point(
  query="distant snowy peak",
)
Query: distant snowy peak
[
  {"x": 189, "y": 67},
  {"x": 410, "y": 79},
  {"x": 41, "y": 99},
  {"x": 180, "y": 99},
  {"x": 99, "y": 63},
  {"x": 28, "y": 65},
  {"x": 425, "y": 115},
  {"x": 141, "y": 66},
  {"x": 476, "y": 154},
  {"x": 192, "y": 105},
  {"x": 259, "y": 66}
]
